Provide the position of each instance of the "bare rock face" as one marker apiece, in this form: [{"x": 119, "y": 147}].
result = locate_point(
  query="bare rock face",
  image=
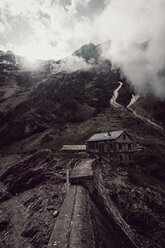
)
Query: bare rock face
[{"x": 88, "y": 52}]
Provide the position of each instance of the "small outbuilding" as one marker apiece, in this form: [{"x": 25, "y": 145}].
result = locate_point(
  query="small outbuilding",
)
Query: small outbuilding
[
  {"x": 74, "y": 148},
  {"x": 116, "y": 147}
]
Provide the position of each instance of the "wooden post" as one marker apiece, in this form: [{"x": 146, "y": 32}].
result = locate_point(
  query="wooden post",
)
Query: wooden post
[{"x": 67, "y": 180}]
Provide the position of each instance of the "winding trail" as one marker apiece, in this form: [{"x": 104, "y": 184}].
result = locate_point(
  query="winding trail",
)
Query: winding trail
[
  {"x": 145, "y": 119},
  {"x": 115, "y": 96},
  {"x": 134, "y": 99}
]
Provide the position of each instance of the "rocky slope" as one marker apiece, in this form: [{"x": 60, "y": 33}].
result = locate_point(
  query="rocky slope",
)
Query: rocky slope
[
  {"x": 31, "y": 193},
  {"x": 140, "y": 200}
]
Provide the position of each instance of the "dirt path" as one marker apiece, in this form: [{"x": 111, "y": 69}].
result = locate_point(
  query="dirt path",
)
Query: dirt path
[
  {"x": 133, "y": 101},
  {"x": 145, "y": 119},
  {"x": 115, "y": 96}
]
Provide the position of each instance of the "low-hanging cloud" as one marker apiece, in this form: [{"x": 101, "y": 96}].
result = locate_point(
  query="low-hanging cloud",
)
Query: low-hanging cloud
[
  {"x": 71, "y": 64},
  {"x": 53, "y": 29},
  {"x": 137, "y": 32}
]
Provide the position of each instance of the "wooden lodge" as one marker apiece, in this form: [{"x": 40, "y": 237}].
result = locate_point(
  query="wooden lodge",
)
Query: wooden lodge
[{"x": 117, "y": 147}]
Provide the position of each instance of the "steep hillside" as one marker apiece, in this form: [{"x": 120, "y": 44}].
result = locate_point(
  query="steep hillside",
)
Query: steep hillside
[{"x": 41, "y": 110}]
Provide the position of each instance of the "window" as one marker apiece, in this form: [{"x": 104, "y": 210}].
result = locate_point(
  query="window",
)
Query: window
[
  {"x": 129, "y": 157},
  {"x": 121, "y": 158},
  {"x": 110, "y": 146},
  {"x": 102, "y": 147},
  {"x": 120, "y": 146},
  {"x": 97, "y": 147},
  {"x": 124, "y": 136},
  {"x": 91, "y": 146},
  {"x": 129, "y": 146}
]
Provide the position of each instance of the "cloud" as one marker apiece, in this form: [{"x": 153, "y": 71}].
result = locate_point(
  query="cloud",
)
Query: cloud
[
  {"x": 131, "y": 23},
  {"x": 35, "y": 25},
  {"x": 71, "y": 64},
  {"x": 47, "y": 28},
  {"x": 53, "y": 29}
]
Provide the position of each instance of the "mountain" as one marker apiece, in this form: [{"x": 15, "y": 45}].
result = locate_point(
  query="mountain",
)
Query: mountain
[
  {"x": 88, "y": 52},
  {"x": 40, "y": 102},
  {"x": 91, "y": 52},
  {"x": 45, "y": 107}
]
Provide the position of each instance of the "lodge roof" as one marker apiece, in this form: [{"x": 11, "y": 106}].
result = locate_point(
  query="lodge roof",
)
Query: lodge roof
[{"x": 106, "y": 136}]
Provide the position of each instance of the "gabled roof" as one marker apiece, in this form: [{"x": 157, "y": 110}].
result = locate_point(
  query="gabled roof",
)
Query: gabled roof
[{"x": 106, "y": 136}]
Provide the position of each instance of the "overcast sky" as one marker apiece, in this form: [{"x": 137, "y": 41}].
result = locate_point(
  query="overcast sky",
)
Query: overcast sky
[
  {"x": 47, "y": 28},
  {"x": 55, "y": 28}
]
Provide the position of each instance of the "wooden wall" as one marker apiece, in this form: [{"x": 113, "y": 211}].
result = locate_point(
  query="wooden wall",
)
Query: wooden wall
[{"x": 119, "y": 151}]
